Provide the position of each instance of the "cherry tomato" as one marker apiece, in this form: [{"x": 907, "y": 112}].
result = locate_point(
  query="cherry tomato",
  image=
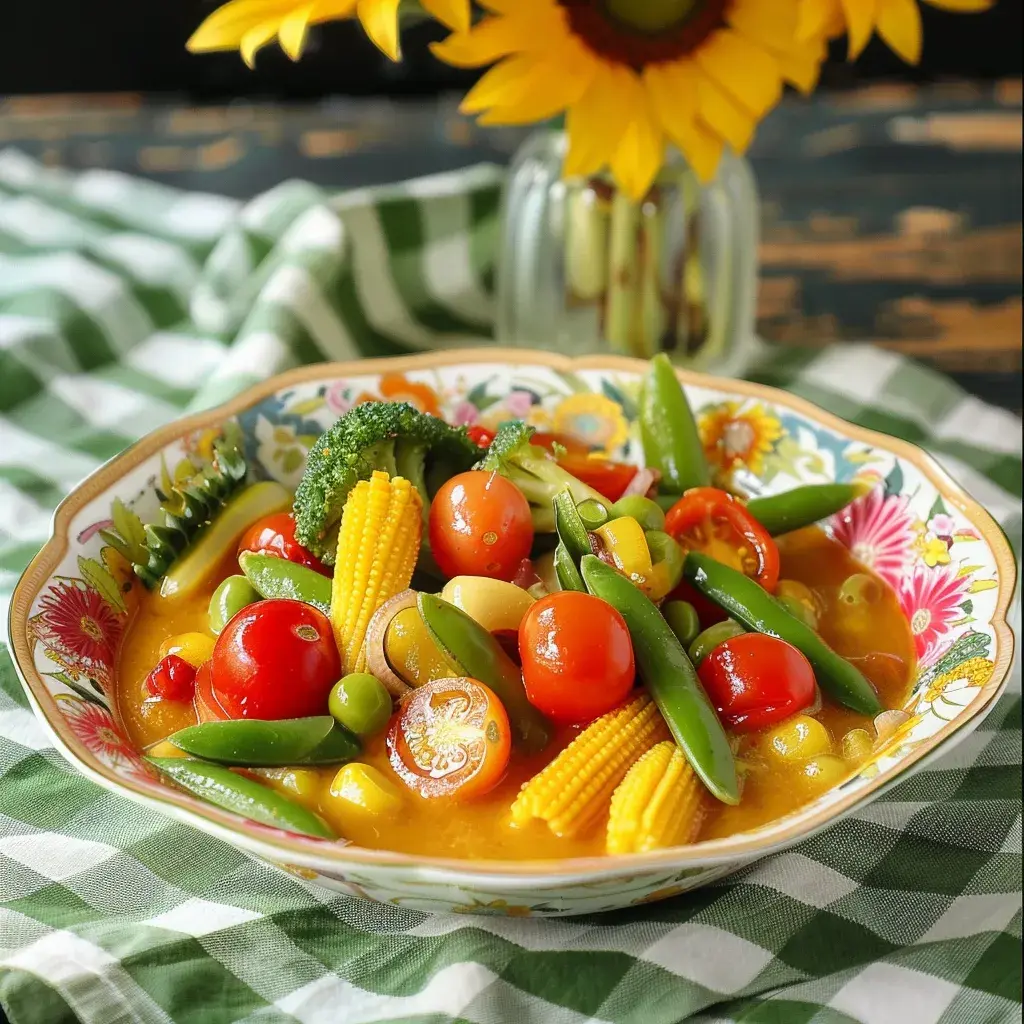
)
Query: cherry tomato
[
  {"x": 173, "y": 679},
  {"x": 275, "y": 659},
  {"x": 480, "y": 436},
  {"x": 208, "y": 708},
  {"x": 480, "y": 525},
  {"x": 450, "y": 738},
  {"x": 712, "y": 521},
  {"x": 275, "y": 535},
  {"x": 755, "y": 680},
  {"x": 577, "y": 656},
  {"x": 606, "y": 477}
]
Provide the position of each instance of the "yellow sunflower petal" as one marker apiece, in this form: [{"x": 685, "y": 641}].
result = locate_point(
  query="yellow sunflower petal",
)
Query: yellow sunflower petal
[
  {"x": 802, "y": 67},
  {"x": 820, "y": 18},
  {"x": 967, "y": 6},
  {"x": 224, "y": 29},
  {"x": 453, "y": 13},
  {"x": 492, "y": 39},
  {"x": 638, "y": 156},
  {"x": 292, "y": 32},
  {"x": 504, "y": 83},
  {"x": 380, "y": 22},
  {"x": 597, "y": 122},
  {"x": 899, "y": 24},
  {"x": 724, "y": 115},
  {"x": 702, "y": 148},
  {"x": 554, "y": 83},
  {"x": 672, "y": 88},
  {"x": 860, "y": 23},
  {"x": 254, "y": 39},
  {"x": 746, "y": 71},
  {"x": 765, "y": 22}
]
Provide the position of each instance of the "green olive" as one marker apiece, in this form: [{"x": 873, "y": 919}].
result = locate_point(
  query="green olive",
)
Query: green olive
[
  {"x": 646, "y": 512},
  {"x": 228, "y": 600},
  {"x": 361, "y": 703},
  {"x": 712, "y": 637},
  {"x": 682, "y": 619}
]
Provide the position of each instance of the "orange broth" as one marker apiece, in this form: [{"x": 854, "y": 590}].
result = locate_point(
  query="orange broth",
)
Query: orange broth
[{"x": 877, "y": 638}]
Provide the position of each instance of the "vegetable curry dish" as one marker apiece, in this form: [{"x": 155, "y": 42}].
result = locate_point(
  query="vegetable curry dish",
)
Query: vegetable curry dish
[{"x": 459, "y": 643}]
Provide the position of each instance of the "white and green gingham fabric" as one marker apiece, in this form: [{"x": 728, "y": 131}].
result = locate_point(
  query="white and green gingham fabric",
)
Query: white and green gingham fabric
[{"x": 122, "y": 304}]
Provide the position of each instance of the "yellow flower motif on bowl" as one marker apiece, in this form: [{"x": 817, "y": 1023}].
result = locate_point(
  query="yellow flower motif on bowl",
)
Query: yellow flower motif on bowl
[
  {"x": 734, "y": 436},
  {"x": 592, "y": 419},
  {"x": 497, "y": 908},
  {"x": 933, "y": 550}
]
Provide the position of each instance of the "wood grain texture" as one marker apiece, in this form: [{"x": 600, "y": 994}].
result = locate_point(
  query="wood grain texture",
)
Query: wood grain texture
[{"x": 890, "y": 213}]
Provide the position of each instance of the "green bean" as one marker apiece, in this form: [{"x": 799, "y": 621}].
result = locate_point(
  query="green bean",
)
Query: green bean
[
  {"x": 233, "y": 792},
  {"x": 234, "y": 594},
  {"x": 646, "y": 512},
  {"x": 682, "y": 619},
  {"x": 467, "y": 644},
  {"x": 753, "y": 607},
  {"x": 269, "y": 744},
  {"x": 669, "y": 432},
  {"x": 272, "y": 577},
  {"x": 802, "y": 506},
  {"x": 668, "y": 675}
]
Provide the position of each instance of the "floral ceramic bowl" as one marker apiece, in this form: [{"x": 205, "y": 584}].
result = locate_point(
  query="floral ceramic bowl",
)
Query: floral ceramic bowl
[{"x": 946, "y": 558}]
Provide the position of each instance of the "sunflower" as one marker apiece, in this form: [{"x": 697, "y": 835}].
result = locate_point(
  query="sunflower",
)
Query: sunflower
[
  {"x": 898, "y": 22},
  {"x": 247, "y": 25},
  {"x": 631, "y": 75},
  {"x": 735, "y": 437}
]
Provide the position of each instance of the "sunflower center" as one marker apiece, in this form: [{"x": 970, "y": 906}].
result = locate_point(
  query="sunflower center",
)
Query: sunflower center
[{"x": 642, "y": 32}]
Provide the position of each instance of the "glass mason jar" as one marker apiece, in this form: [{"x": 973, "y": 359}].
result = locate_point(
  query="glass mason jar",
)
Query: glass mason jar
[{"x": 582, "y": 268}]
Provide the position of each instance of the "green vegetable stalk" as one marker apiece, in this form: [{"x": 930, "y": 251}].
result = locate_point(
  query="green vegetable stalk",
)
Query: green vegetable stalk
[
  {"x": 669, "y": 432},
  {"x": 667, "y": 673},
  {"x": 752, "y": 606},
  {"x": 802, "y": 506}
]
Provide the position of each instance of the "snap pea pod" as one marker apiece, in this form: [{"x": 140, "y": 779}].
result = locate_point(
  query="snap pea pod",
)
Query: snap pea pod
[
  {"x": 474, "y": 652},
  {"x": 668, "y": 675},
  {"x": 669, "y": 432},
  {"x": 573, "y": 541},
  {"x": 250, "y": 742},
  {"x": 272, "y": 576},
  {"x": 802, "y": 506},
  {"x": 754, "y": 608},
  {"x": 233, "y": 792}
]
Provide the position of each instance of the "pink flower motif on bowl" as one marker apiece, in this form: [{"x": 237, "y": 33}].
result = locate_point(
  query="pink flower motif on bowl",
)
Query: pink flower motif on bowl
[
  {"x": 931, "y": 599},
  {"x": 879, "y": 531}
]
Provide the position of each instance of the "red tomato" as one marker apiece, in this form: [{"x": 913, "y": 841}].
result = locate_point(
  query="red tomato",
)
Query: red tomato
[
  {"x": 173, "y": 679},
  {"x": 451, "y": 738},
  {"x": 755, "y": 680},
  {"x": 480, "y": 436},
  {"x": 577, "y": 656},
  {"x": 207, "y": 706},
  {"x": 714, "y": 522},
  {"x": 606, "y": 477},
  {"x": 480, "y": 525},
  {"x": 275, "y": 659},
  {"x": 275, "y": 535}
]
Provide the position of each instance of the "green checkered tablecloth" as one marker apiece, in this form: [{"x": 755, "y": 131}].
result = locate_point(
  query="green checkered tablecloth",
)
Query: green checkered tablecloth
[{"x": 122, "y": 304}]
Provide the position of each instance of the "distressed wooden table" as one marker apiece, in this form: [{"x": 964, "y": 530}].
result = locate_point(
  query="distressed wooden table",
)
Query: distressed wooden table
[{"x": 890, "y": 213}]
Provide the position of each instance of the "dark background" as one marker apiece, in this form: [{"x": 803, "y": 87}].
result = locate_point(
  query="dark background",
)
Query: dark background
[{"x": 138, "y": 46}]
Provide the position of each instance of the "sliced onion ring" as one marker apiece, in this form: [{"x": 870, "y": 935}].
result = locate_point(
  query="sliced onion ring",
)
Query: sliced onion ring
[{"x": 376, "y": 660}]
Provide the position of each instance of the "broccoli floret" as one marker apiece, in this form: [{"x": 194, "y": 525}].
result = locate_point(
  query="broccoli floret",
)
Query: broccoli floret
[
  {"x": 534, "y": 472},
  {"x": 391, "y": 436}
]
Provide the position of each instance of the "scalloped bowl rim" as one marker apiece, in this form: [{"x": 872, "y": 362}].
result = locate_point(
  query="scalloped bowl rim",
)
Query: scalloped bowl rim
[{"x": 325, "y": 856}]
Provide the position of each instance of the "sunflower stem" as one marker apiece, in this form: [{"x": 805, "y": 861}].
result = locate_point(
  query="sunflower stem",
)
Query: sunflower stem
[
  {"x": 622, "y": 272},
  {"x": 650, "y": 309},
  {"x": 586, "y": 244}
]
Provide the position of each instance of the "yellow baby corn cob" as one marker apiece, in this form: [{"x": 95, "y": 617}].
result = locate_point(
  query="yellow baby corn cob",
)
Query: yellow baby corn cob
[
  {"x": 378, "y": 544},
  {"x": 574, "y": 790},
  {"x": 659, "y": 803}
]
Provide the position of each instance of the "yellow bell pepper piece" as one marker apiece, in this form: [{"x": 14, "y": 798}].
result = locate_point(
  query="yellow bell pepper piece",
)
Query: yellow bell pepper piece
[
  {"x": 362, "y": 789},
  {"x": 495, "y": 604}
]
